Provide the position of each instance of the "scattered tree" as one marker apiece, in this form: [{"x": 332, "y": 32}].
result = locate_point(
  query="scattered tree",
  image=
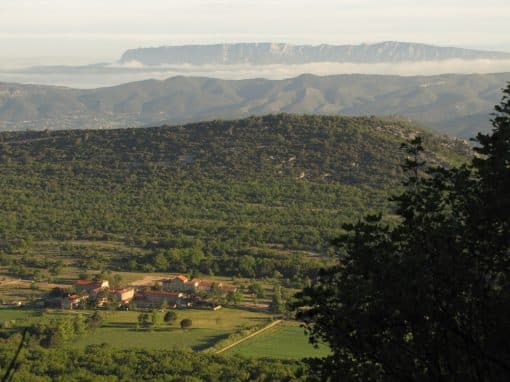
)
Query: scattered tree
[
  {"x": 256, "y": 289},
  {"x": 155, "y": 319},
  {"x": 116, "y": 280},
  {"x": 144, "y": 320},
  {"x": 57, "y": 268},
  {"x": 234, "y": 298},
  {"x": 57, "y": 292},
  {"x": 277, "y": 304},
  {"x": 170, "y": 317},
  {"x": 186, "y": 323}
]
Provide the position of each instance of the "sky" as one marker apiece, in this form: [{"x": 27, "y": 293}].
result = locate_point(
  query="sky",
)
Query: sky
[{"x": 79, "y": 31}]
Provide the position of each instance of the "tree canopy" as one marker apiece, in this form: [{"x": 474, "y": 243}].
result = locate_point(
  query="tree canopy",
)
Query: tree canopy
[{"x": 427, "y": 299}]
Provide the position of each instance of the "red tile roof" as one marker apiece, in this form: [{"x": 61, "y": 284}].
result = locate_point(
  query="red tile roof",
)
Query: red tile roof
[{"x": 86, "y": 282}]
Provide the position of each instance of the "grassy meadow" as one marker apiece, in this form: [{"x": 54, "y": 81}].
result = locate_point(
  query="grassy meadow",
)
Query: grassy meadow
[
  {"x": 120, "y": 330},
  {"x": 285, "y": 341}
]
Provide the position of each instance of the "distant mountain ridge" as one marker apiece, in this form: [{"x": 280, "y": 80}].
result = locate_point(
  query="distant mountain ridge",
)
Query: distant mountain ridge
[
  {"x": 455, "y": 104},
  {"x": 279, "y": 53}
]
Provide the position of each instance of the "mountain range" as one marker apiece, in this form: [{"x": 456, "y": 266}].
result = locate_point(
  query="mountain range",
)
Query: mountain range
[
  {"x": 455, "y": 104},
  {"x": 278, "y": 53}
]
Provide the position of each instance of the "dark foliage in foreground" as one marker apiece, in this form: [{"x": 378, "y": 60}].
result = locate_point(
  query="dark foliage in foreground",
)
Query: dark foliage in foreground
[
  {"x": 102, "y": 363},
  {"x": 427, "y": 300}
]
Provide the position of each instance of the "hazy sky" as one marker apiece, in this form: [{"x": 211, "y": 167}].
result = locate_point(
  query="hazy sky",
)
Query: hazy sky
[{"x": 92, "y": 30}]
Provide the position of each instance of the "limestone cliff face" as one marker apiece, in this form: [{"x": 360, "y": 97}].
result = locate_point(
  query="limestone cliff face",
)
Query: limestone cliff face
[{"x": 276, "y": 53}]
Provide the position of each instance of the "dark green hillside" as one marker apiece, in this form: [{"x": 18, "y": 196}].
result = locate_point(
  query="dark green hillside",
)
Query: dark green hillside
[{"x": 235, "y": 197}]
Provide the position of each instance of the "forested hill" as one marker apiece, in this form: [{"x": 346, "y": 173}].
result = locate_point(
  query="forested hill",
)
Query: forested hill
[
  {"x": 207, "y": 194},
  {"x": 362, "y": 150}
]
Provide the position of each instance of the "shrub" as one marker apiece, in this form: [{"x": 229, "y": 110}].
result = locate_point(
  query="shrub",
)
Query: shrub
[{"x": 186, "y": 323}]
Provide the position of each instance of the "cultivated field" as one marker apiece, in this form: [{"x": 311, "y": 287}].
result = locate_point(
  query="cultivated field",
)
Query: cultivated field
[
  {"x": 119, "y": 330},
  {"x": 286, "y": 341}
]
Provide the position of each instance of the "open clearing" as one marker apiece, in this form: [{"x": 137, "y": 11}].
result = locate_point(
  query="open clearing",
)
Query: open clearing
[
  {"x": 119, "y": 329},
  {"x": 283, "y": 341},
  {"x": 267, "y": 327},
  {"x": 17, "y": 314}
]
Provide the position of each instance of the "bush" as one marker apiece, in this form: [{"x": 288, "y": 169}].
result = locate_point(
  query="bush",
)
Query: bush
[
  {"x": 170, "y": 317},
  {"x": 186, "y": 323}
]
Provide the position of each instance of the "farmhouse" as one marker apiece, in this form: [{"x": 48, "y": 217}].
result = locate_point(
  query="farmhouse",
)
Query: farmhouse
[
  {"x": 94, "y": 289},
  {"x": 206, "y": 286},
  {"x": 176, "y": 283},
  {"x": 91, "y": 285},
  {"x": 192, "y": 285},
  {"x": 181, "y": 283},
  {"x": 72, "y": 301},
  {"x": 124, "y": 295},
  {"x": 158, "y": 297}
]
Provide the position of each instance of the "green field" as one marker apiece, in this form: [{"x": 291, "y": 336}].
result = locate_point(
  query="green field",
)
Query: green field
[
  {"x": 17, "y": 314},
  {"x": 25, "y": 317},
  {"x": 283, "y": 341},
  {"x": 119, "y": 330}
]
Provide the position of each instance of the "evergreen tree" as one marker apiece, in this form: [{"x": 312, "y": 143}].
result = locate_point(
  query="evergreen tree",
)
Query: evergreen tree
[
  {"x": 186, "y": 323},
  {"x": 156, "y": 319},
  {"x": 277, "y": 304},
  {"x": 170, "y": 317},
  {"x": 425, "y": 300}
]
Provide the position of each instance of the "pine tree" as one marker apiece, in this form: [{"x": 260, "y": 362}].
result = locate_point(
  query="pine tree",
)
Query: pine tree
[{"x": 425, "y": 300}]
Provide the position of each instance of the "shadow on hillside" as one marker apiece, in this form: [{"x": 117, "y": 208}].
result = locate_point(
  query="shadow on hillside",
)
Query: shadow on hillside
[{"x": 119, "y": 325}]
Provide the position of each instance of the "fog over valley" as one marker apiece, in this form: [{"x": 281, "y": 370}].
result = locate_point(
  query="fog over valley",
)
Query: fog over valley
[{"x": 272, "y": 61}]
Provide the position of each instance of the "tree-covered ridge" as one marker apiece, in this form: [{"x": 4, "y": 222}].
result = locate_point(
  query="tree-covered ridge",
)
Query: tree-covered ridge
[
  {"x": 230, "y": 197},
  {"x": 350, "y": 150}
]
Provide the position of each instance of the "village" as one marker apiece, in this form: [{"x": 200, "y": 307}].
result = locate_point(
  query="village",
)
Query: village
[{"x": 175, "y": 292}]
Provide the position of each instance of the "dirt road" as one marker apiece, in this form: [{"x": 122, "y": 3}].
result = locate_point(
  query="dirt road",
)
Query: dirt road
[{"x": 271, "y": 325}]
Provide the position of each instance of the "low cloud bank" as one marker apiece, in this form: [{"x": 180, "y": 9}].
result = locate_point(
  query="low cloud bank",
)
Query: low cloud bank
[
  {"x": 115, "y": 74},
  {"x": 280, "y": 71}
]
